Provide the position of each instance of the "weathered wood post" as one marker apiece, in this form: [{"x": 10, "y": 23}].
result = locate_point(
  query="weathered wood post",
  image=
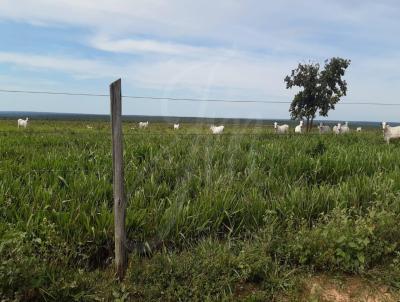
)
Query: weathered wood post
[{"x": 118, "y": 179}]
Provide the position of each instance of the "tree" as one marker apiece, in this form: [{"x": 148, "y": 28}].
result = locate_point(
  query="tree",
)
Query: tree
[{"x": 321, "y": 89}]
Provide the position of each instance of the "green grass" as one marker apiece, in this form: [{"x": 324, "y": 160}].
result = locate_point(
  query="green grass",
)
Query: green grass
[{"x": 289, "y": 203}]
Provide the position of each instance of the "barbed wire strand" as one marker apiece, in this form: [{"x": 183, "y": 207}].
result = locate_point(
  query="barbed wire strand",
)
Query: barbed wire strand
[
  {"x": 143, "y": 169},
  {"x": 225, "y": 135},
  {"x": 46, "y": 171},
  {"x": 185, "y": 99},
  {"x": 54, "y": 93}
]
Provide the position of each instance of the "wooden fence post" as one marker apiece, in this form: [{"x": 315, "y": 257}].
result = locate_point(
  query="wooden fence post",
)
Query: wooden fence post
[{"x": 118, "y": 179}]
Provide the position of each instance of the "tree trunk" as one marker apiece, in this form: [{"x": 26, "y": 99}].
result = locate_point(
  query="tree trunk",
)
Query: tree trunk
[
  {"x": 311, "y": 124},
  {"x": 308, "y": 122}
]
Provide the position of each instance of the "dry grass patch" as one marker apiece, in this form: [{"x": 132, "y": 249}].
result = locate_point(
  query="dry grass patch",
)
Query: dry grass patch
[{"x": 346, "y": 289}]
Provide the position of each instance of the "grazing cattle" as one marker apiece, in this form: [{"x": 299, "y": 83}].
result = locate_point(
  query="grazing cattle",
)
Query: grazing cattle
[
  {"x": 390, "y": 132},
  {"x": 281, "y": 129},
  {"x": 299, "y": 128},
  {"x": 345, "y": 128},
  {"x": 23, "y": 122},
  {"x": 323, "y": 129},
  {"x": 143, "y": 124},
  {"x": 176, "y": 126},
  {"x": 336, "y": 129},
  {"x": 217, "y": 129}
]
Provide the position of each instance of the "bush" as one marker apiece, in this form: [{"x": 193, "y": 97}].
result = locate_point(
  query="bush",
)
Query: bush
[
  {"x": 21, "y": 273},
  {"x": 212, "y": 271},
  {"x": 347, "y": 242}
]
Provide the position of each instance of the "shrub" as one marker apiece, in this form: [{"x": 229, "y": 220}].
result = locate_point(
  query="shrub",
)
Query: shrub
[
  {"x": 346, "y": 243},
  {"x": 21, "y": 273}
]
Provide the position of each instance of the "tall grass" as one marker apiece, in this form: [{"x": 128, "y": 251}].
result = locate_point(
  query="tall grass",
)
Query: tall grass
[{"x": 182, "y": 186}]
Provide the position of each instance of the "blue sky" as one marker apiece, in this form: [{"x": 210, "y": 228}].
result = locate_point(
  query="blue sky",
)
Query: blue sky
[{"x": 202, "y": 49}]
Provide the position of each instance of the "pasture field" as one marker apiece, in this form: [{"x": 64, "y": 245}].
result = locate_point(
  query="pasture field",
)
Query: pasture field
[{"x": 247, "y": 215}]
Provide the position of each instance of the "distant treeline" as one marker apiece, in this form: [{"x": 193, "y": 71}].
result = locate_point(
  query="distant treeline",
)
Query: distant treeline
[{"x": 163, "y": 119}]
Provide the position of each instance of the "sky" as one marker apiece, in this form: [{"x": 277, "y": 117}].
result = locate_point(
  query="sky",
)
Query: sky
[{"x": 227, "y": 49}]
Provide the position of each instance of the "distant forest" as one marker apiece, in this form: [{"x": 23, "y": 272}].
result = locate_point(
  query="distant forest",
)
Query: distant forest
[{"x": 162, "y": 119}]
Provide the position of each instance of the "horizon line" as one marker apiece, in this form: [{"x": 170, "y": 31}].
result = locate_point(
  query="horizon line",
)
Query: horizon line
[{"x": 103, "y": 115}]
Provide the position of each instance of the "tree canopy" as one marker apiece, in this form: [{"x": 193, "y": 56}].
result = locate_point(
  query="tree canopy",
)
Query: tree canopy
[{"x": 321, "y": 89}]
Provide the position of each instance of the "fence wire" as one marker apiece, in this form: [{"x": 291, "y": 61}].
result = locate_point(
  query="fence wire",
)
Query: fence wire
[
  {"x": 182, "y": 99},
  {"x": 88, "y": 132},
  {"x": 164, "y": 134}
]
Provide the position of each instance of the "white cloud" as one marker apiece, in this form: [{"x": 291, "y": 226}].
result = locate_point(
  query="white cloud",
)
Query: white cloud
[
  {"x": 217, "y": 48},
  {"x": 237, "y": 72},
  {"x": 82, "y": 68},
  {"x": 237, "y": 75},
  {"x": 144, "y": 46},
  {"x": 282, "y": 26}
]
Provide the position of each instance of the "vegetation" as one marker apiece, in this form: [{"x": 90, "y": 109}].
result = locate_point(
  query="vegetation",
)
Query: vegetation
[
  {"x": 246, "y": 215},
  {"x": 321, "y": 89}
]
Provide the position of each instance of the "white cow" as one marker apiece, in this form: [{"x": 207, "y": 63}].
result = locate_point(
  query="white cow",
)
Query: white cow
[
  {"x": 23, "y": 122},
  {"x": 336, "y": 129},
  {"x": 281, "y": 129},
  {"x": 299, "y": 128},
  {"x": 323, "y": 129},
  {"x": 359, "y": 129},
  {"x": 176, "y": 126},
  {"x": 345, "y": 128},
  {"x": 217, "y": 129},
  {"x": 143, "y": 124},
  {"x": 390, "y": 132}
]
